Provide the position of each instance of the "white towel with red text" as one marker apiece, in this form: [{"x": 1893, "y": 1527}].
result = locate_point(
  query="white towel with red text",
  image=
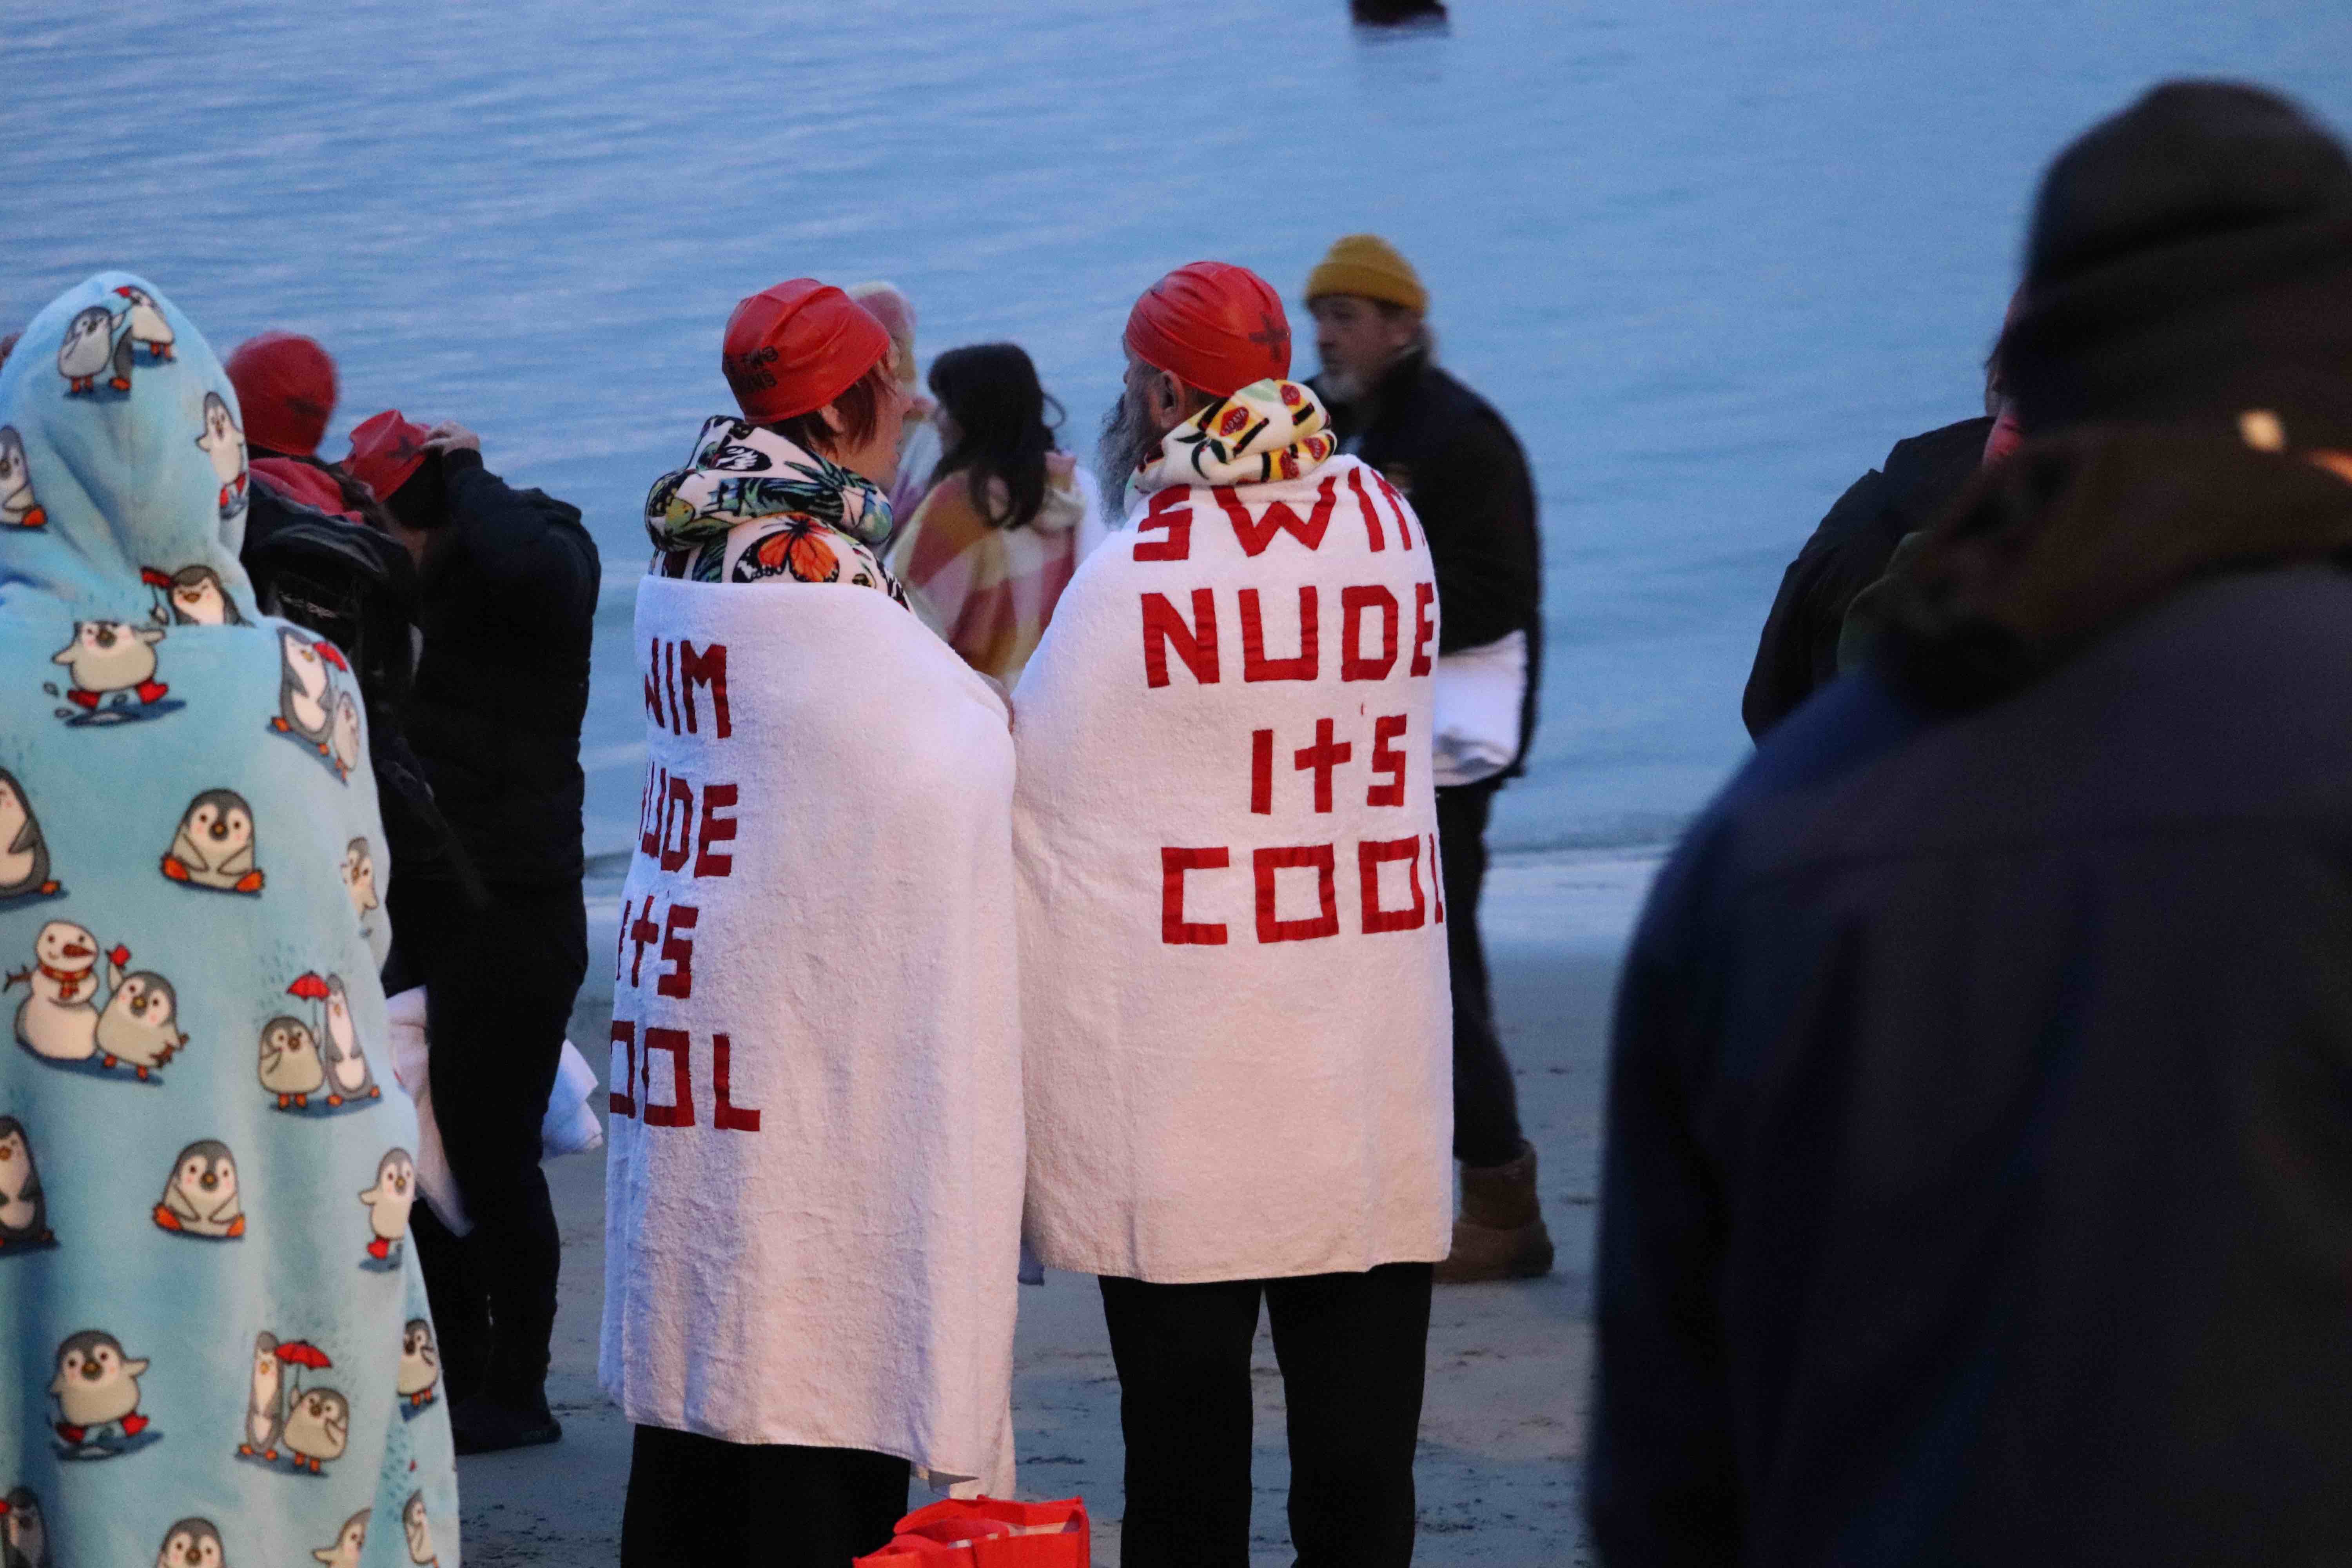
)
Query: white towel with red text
[
  {"x": 1238, "y": 1049},
  {"x": 812, "y": 1185}
]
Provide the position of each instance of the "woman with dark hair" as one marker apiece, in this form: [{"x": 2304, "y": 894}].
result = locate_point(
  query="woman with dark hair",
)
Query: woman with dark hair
[{"x": 1006, "y": 520}]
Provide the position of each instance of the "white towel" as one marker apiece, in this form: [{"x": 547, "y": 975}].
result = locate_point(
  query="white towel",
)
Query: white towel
[
  {"x": 1233, "y": 962},
  {"x": 823, "y": 881},
  {"x": 569, "y": 1126},
  {"x": 1479, "y": 694}
]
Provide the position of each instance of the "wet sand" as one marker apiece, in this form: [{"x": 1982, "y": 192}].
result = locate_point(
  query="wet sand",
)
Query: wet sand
[{"x": 1502, "y": 1429}]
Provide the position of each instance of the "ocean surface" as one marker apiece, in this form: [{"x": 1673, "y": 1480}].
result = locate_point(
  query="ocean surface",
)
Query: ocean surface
[{"x": 1710, "y": 259}]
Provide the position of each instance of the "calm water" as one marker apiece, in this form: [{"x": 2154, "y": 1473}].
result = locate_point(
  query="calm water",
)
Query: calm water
[{"x": 1710, "y": 259}]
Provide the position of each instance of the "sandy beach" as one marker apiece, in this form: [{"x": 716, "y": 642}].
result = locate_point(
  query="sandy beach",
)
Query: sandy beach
[{"x": 1502, "y": 1430}]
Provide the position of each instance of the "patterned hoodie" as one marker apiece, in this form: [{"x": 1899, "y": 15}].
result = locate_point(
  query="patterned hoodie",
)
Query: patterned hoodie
[{"x": 751, "y": 507}]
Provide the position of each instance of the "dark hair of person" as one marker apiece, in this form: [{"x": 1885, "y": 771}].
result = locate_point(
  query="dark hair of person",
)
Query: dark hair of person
[
  {"x": 859, "y": 406},
  {"x": 421, "y": 502},
  {"x": 990, "y": 391},
  {"x": 357, "y": 497}
]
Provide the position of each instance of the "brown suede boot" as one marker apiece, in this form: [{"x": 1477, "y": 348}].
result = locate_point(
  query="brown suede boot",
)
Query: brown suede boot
[{"x": 1501, "y": 1234}]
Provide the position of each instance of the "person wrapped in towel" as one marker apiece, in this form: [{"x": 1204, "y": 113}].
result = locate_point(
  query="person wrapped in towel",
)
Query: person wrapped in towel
[
  {"x": 814, "y": 1160},
  {"x": 205, "y": 1163},
  {"x": 1234, "y": 964}
]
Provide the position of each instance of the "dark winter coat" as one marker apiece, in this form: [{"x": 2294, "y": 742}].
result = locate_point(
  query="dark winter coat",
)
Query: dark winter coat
[
  {"x": 1798, "y": 654},
  {"x": 505, "y": 601},
  {"x": 1459, "y": 465},
  {"x": 1979, "y": 1185}
]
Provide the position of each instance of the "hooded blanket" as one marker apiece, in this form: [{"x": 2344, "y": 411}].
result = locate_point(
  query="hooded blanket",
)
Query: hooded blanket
[
  {"x": 1238, "y": 1046},
  {"x": 813, "y": 1182},
  {"x": 217, "y": 1342}
]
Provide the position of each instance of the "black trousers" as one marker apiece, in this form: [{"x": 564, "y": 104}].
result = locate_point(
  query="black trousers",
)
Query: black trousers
[
  {"x": 1353, "y": 1349},
  {"x": 697, "y": 1502},
  {"x": 1485, "y": 1101},
  {"x": 503, "y": 981}
]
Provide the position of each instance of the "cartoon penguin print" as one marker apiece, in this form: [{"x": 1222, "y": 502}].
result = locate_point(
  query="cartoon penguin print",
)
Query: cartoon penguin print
[
  {"x": 348, "y": 1077},
  {"x": 148, "y": 329},
  {"x": 24, "y": 1211},
  {"x": 214, "y": 847},
  {"x": 290, "y": 1067},
  {"x": 96, "y": 1391},
  {"x": 420, "y": 1364},
  {"x": 194, "y": 596},
  {"x": 58, "y": 1020},
  {"x": 418, "y": 1529},
  {"x": 304, "y": 697},
  {"x": 138, "y": 1028},
  {"x": 24, "y": 853},
  {"x": 346, "y": 739},
  {"x": 90, "y": 350},
  {"x": 200, "y": 1196},
  {"x": 24, "y": 1533},
  {"x": 265, "y": 1401},
  {"x": 388, "y": 1202},
  {"x": 191, "y": 1544},
  {"x": 344, "y": 1551},
  {"x": 224, "y": 443},
  {"x": 18, "y": 509},
  {"x": 318, "y": 1425},
  {"x": 108, "y": 658},
  {"x": 358, "y": 873}
]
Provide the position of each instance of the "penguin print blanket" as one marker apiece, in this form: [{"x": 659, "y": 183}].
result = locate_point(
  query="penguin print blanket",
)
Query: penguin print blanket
[
  {"x": 813, "y": 1157},
  {"x": 1238, "y": 1025},
  {"x": 218, "y": 1348}
]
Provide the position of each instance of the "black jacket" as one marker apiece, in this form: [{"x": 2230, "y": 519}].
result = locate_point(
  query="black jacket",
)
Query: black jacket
[
  {"x": 1979, "y": 1183},
  {"x": 1797, "y": 655},
  {"x": 506, "y": 601},
  {"x": 1451, "y": 454}
]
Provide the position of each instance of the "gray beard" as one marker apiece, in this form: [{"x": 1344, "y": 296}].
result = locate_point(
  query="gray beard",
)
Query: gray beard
[
  {"x": 1340, "y": 387},
  {"x": 1125, "y": 443}
]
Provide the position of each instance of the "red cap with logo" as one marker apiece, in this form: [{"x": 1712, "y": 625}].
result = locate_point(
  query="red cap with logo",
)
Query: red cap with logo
[
  {"x": 796, "y": 347},
  {"x": 387, "y": 449},
  {"x": 285, "y": 389},
  {"x": 1211, "y": 325}
]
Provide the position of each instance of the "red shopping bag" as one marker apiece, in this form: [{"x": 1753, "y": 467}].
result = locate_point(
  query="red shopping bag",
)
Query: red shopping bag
[{"x": 989, "y": 1533}]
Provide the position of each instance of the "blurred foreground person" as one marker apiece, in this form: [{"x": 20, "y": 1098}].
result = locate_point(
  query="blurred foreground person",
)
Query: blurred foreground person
[
  {"x": 996, "y": 537},
  {"x": 204, "y": 1273},
  {"x": 1809, "y": 634},
  {"x": 813, "y": 1193},
  {"x": 506, "y": 590},
  {"x": 920, "y": 445},
  {"x": 1979, "y": 1174},
  {"x": 1233, "y": 998},
  {"x": 1452, "y": 457}
]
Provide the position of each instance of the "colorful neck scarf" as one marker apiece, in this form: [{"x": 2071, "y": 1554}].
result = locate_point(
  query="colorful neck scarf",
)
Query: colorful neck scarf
[
  {"x": 750, "y": 506},
  {"x": 1268, "y": 430}
]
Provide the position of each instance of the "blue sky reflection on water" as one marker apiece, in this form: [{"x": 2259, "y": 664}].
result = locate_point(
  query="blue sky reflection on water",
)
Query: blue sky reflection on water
[{"x": 1711, "y": 259}]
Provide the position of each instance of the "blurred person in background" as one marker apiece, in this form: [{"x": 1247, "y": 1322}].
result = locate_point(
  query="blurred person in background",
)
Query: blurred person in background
[
  {"x": 920, "y": 445},
  {"x": 506, "y": 589},
  {"x": 1853, "y": 544},
  {"x": 1978, "y": 1180},
  {"x": 1007, "y": 518},
  {"x": 1458, "y": 463},
  {"x": 319, "y": 550}
]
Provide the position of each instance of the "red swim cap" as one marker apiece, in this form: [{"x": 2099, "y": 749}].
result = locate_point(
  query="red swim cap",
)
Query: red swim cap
[
  {"x": 387, "y": 449},
  {"x": 1211, "y": 325},
  {"x": 285, "y": 388},
  {"x": 796, "y": 347}
]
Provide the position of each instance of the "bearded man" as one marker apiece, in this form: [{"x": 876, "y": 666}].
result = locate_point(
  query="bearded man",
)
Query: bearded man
[
  {"x": 1448, "y": 450},
  {"x": 1233, "y": 1001}
]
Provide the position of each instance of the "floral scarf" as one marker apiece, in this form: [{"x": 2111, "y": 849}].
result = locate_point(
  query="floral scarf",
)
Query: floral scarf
[
  {"x": 751, "y": 507},
  {"x": 1268, "y": 430}
]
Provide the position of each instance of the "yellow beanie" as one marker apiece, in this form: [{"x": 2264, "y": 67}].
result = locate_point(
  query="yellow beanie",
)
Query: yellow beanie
[{"x": 1366, "y": 265}]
